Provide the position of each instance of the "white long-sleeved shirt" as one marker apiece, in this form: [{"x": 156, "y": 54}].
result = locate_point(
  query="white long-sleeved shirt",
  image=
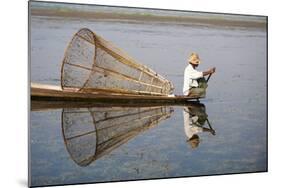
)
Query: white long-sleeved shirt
[{"x": 190, "y": 78}]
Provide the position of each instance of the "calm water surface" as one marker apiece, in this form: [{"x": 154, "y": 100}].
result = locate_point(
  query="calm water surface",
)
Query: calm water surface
[{"x": 72, "y": 145}]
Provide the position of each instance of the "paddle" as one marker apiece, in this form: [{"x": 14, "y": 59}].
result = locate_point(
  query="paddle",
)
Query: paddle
[
  {"x": 209, "y": 77},
  {"x": 211, "y": 128}
]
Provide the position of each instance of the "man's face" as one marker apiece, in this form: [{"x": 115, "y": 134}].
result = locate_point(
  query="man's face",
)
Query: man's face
[{"x": 194, "y": 65}]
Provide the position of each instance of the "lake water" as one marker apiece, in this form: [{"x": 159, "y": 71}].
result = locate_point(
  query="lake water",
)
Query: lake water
[{"x": 70, "y": 145}]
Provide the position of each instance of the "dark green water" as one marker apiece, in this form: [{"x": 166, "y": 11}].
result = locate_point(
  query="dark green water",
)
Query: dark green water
[{"x": 235, "y": 104}]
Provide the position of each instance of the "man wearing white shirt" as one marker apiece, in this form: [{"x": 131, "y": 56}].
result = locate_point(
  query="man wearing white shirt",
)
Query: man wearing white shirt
[{"x": 191, "y": 77}]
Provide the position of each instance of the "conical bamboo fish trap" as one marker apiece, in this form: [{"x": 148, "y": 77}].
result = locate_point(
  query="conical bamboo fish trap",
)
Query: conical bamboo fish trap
[{"x": 92, "y": 64}]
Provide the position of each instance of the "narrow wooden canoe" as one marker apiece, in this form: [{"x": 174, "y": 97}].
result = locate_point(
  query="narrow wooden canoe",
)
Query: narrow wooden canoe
[{"x": 42, "y": 92}]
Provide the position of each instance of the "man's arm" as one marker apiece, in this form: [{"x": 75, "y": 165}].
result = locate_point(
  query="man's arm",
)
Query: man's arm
[
  {"x": 212, "y": 131},
  {"x": 210, "y": 71}
]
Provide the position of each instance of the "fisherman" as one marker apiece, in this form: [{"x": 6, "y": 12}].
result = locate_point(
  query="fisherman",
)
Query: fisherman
[
  {"x": 194, "y": 82},
  {"x": 193, "y": 126}
]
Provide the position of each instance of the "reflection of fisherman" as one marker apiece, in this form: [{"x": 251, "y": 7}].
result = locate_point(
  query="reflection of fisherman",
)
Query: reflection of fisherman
[
  {"x": 194, "y": 81},
  {"x": 193, "y": 125}
]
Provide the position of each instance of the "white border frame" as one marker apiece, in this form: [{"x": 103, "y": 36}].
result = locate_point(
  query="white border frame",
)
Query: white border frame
[{"x": 15, "y": 94}]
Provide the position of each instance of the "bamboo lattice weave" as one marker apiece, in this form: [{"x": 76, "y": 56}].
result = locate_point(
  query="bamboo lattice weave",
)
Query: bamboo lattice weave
[{"x": 92, "y": 63}]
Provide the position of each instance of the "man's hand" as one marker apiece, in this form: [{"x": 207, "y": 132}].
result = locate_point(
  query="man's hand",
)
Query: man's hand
[
  {"x": 212, "y": 70},
  {"x": 212, "y": 131}
]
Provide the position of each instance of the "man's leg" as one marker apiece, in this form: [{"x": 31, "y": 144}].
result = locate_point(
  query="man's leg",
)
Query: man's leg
[
  {"x": 202, "y": 83},
  {"x": 199, "y": 91}
]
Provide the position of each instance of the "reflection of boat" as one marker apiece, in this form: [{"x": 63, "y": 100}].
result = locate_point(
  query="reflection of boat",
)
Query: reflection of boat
[
  {"x": 90, "y": 133},
  {"x": 93, "y": 69}
]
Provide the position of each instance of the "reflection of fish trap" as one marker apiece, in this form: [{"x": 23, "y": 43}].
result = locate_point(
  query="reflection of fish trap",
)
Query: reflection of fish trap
[
  {"x": 92, "y": 64},
  {"x": 90, "y": 133}
]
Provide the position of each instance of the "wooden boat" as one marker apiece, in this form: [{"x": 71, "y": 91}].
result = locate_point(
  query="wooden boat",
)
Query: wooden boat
[
  {"x": 94, "y": 70},
  {"x": 42, "y": 92}
]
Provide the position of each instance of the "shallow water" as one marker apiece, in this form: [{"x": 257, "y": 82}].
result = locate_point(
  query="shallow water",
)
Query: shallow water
[{"x": 235, "y": 104}]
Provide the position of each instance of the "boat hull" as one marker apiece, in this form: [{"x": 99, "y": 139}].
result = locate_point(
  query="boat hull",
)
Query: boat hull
[{"x": 42, "y": 92}]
